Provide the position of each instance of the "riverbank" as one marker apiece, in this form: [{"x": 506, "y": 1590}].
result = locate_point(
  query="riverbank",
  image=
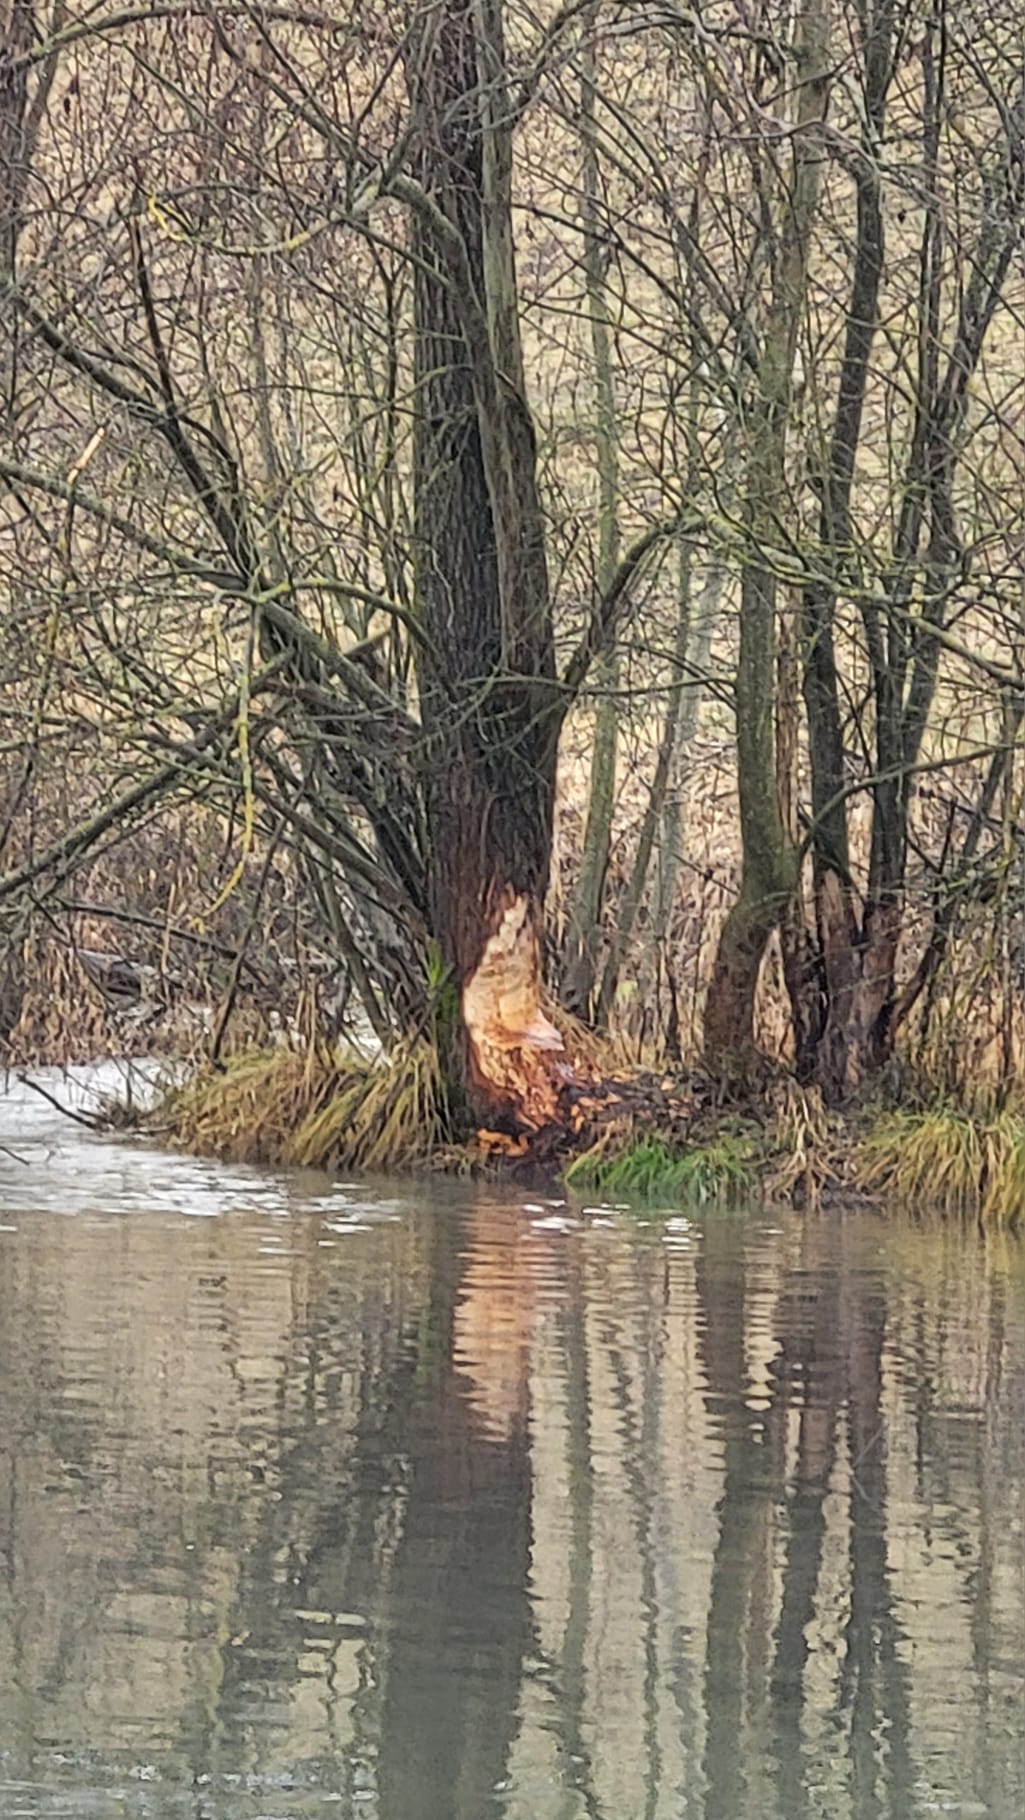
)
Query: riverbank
[{"x": 635, "y": 1134}]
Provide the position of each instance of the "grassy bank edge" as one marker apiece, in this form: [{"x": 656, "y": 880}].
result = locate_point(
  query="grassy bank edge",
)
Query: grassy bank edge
[{"x": 326, "y": 1109}]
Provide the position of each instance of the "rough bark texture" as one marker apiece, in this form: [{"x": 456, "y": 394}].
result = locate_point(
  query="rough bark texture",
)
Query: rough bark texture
[
  {"x": 797, "y": 950},
  {"x": 486, "y": 662},
  {"x": 698, "y": 619}
]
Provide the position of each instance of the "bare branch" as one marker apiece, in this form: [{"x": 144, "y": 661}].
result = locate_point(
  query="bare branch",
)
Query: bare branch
[{"x": 607, "y": 613}]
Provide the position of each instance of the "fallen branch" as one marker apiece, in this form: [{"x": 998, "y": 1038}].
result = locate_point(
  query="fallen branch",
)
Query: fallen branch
[{"x": 89, "y": 1120}]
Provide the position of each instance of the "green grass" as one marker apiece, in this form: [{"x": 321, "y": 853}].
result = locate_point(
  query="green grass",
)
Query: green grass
[{"x": 653, "y": 1169}]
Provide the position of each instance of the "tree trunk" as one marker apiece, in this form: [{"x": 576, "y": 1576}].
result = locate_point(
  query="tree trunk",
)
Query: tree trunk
[
  {"x": 16, "y": 30},
  {"x": 584, "y": 936},
  {"x": 768, "y": 868},
  {"x": 487, "y": 652},
  {"x": 838, "y": 1023},
  {"x": 801, "y": 969},
  {"x": 862, "y": 1002},
  {"x": 701, "y": 618},
  {"x": 682, "y": 702}
]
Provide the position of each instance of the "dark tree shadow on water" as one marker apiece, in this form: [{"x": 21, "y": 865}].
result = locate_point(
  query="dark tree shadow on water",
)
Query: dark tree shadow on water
[
  {"x": 826, "y": 1385},
  {"x": 399, "y": 1537},
  {"x": 458, "y": 1625}
]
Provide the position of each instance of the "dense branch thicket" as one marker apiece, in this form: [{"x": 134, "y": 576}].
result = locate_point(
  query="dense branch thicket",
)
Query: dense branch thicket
[{"x": 389, "y": 403}]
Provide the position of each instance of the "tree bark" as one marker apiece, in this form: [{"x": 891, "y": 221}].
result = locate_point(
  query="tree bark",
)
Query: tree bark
[
  {"x": 838, "y": 1022},
  {"x": 482, "y": 590},
  {"x": 700, "y": 618},
  {"x": 16, "y": 27}
]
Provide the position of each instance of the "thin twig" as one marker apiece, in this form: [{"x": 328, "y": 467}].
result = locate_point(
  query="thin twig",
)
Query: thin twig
[{"x": 87, "y": 1119}]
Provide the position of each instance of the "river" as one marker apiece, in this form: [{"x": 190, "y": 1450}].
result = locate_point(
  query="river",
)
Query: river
[{"x": 437, "y": 1502}]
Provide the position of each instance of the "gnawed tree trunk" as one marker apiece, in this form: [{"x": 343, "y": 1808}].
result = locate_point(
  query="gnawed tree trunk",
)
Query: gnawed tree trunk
[
  {"x": 768, "y": 869},
  {"x": 436, "y": 830},
  {"x": 486, "y": 658}
]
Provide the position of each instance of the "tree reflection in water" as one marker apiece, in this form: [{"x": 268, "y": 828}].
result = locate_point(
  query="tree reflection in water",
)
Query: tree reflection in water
[{"x": 458, "y": 1512}]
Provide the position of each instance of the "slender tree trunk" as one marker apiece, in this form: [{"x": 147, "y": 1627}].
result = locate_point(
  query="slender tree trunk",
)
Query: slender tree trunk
[
  {"x": 768, "y": 867},
  {"x": 860, "y": 1002},
  {"x": 585, "y": 932},
  {"x": 831, "y": 1020},
  {"x": 16, "y": 26},
  {"x": 801, "y": 971},
  {"x": 482, "y": 591},
  {"x": 701, "y": 617},
  {"x": 681, "y": 712},
  {"x": 694, "y": 643},
  {"x": 662, "y": 824}
]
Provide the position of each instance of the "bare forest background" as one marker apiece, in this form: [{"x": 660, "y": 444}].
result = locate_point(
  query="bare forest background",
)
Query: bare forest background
[{"x": 515, "y": 487}]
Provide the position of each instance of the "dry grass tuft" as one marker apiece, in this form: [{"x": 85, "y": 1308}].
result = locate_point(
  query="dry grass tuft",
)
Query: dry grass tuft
[
  {"x": 949, "y": 1161},
  {"x": 808, "y": 1142},
  {"x": 596, "y": 1054},
  {"x": 317, "y": 1108}
]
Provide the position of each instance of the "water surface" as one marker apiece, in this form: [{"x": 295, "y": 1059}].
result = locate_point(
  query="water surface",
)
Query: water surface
[{"x": 430, "y": 1503}]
